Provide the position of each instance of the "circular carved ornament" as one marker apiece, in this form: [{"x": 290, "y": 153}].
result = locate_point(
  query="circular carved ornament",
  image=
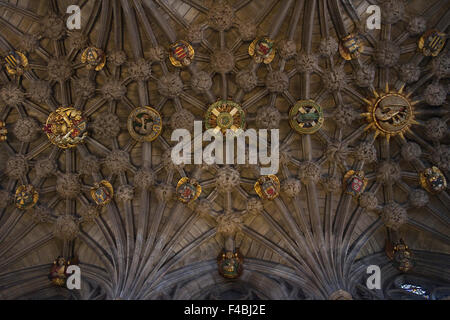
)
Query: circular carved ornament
[
  {"x": 223, "y": 115},
  {"x": 26, "y": 197},
  {"x": 181, "y": 54},
  {"x": 262, "y": 50},
  {"x": 66, "y": 127},
  {"x": 432, "y": 42},
  {"x": 144, "y": 124},
  {"x": 268, "y": 187},
  {"x": 94, "y": 58},
  {"x": 16, "y": 63},
  {"x": 230, "y": 264},
  {"x": 351, "y": 46},
  {"x": 433, "y": 180},
  {"x": 102, "y": 192},
  {"x": 188, "y": 190},
  {"x": 306, "y": 117}
]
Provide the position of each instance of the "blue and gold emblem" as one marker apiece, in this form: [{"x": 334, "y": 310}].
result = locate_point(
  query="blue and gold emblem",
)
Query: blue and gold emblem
[
  {"x": 188, "y": 190},
  {"x": 268, "y": 187},
  {"x": 16, "y": 63},
  {"x": 351, "y": 46},
  {"x": 26, "y": 197},
  {"x": 433, "y": 180},
  {"x": 432, "y": 42},
  {"x": 102, "y": 193},
  {"x": 94, "y": 58}
]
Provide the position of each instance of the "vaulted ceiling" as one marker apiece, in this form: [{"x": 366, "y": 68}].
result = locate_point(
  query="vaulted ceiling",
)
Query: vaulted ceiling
[{"x": 315, "y": 241}]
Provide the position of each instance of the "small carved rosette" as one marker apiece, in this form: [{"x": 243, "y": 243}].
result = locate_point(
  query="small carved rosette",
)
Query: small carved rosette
[
  {"x": 66, "y": 127},
  {"x": 26, "y": 197},
  {"x": 433, "y": 180},
  {"x": 306, "y": 117},
  {"x": 188, "y": 190},
  {"x": 432, "y": 42},
  {"x": 355, "y": 183},
  {"x": 181, "y": 54},
  {"x": 16, "y": 63},
  {"x": 144, "y": 124},
  {"x": 93, "y": 58},
  {"x": 262, "y": 50},
  {"x": 268, "y": 187},
  {"x": 351, "y": 46},
  {"x": 102, "y": 193},
  {"x": 230, "y": 264}
]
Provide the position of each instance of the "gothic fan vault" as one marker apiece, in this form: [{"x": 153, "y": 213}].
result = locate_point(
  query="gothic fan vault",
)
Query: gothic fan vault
[{"x": 86, "y": 118}]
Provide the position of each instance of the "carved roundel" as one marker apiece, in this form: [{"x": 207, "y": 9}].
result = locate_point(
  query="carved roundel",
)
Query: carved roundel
[
  {"x": 188, "y": 190},
  {"x": 306, "y": 117},
  {"x": 262, "y": 50},
  {"x": 433, "y": 180},
  {"x": 268, "y": 187},
  {"x": 26, "y": 197},
  {"x": 144, "y": 124},
  {"x": 355, "y": 182},
  {"x": 102, "y": 193},
  {"x": 94, "y": 58},
  {"x": 223, "y": 115},
  {"x": 351, "y": 46},
  {"x": 66, "y": 127},
  {"x": 181, "y": 54}
]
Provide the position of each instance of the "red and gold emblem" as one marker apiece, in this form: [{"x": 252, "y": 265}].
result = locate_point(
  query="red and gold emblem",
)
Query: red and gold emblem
[
  {"x": 262, "y": 50},
  {"x": 188, "y": 190},
  {"x": 268, "y": 187},
  {"x": 102, "y": 193},
  {"x": 351, "y": 46},
  {"x": 94, "y": 58},
  {"x": 26, "y": 197},
  {"x": 432, "y": 42},
  {"x": 181, "y": 54},
  {"x": 66, "y": 127},
  {"x": 355, "y": 183}
]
